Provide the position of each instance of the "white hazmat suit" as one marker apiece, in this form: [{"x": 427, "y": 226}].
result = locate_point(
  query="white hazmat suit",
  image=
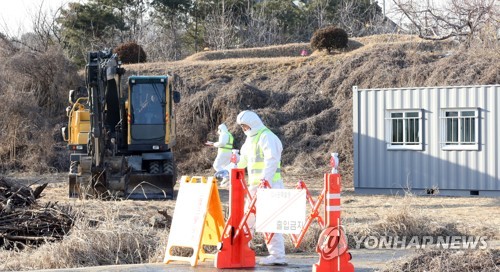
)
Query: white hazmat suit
[
  {"x": 224, "y": 146},
  {"x": 259, "y": 139}
]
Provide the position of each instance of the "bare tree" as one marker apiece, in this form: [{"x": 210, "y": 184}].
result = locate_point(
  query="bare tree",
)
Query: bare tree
[
  {"x": 262, "y": 29},
  {"x": 159, "y": 42},
  {"x": 321, "y": 12},
  {"x": 460, "y": 19},
  {"x": 348, "y": 18},
  {"x": 43, "y": 33},
  {"x": 219, "y": 27},
  {"x": 45, "y": 27}
]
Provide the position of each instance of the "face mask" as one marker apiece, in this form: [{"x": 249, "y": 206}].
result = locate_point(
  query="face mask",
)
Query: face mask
[{"x": 248, "y": 133}]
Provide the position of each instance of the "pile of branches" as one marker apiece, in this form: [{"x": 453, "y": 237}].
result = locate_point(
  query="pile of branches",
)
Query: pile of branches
[{"x": 23, "y": 222}]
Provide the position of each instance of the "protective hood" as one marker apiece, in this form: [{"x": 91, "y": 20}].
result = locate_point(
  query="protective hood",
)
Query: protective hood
[
  {"x": 222, "y": 128},
  {"x": 250, "y": 119}
]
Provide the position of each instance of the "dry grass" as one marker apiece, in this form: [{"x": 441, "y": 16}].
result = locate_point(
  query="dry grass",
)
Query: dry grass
[
  {"x": 288, "y": 50},
  {"x": 449, "y": 261},
  {"x": 122, "y": 232},
  {"x": 292, "y": 50},
  {"x": 33, "y": 94},
  {"x": 412, "y": 215},
  {"x": 90, "y": 246},
  {"x": 102, "y": 235},
  {"x": 407, "y": 220}
]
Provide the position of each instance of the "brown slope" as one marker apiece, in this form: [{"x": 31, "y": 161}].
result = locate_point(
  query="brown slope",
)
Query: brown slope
[{"x": 307, "y": 101}]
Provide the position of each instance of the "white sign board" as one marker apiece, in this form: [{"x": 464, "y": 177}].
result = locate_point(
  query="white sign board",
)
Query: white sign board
[
  {"x": 280, "y": 210},
  {"x": 189, "y": 214}
]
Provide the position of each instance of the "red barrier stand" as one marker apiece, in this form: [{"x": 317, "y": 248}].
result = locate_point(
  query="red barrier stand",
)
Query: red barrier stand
[
  {"x": 314, "y": 214},
  {"x": 332, "y": 247},
  {"x": 234, "y": 251}
]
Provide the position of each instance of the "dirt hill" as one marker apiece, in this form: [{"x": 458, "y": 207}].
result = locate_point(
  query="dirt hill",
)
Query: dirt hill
[{"x": 306, "y": 101}]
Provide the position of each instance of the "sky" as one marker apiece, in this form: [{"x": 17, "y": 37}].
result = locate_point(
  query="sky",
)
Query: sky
[{"x": 16, "y": 15}]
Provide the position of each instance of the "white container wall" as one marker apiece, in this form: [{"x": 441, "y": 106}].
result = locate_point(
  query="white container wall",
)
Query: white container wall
[{"x": 428, "y": 140}]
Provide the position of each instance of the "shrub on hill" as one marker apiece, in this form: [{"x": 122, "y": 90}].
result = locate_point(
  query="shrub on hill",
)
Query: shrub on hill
[
  {"x": 329, "y": 38},
  {"x": 131, "y": 52}
]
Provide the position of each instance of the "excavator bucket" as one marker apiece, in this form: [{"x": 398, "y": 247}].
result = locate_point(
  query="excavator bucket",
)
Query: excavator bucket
[{"x": 150, "y": 186}]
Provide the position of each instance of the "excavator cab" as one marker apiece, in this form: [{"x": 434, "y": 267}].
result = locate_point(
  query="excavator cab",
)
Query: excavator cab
[
  {"x": 151, "y": 135},
  {"x": 148, "y": 112}
]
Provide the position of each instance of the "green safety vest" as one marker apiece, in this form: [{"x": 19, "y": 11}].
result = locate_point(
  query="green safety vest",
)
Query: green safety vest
[
  {"x": 229, "y": 146},
  {"x": 256, "y": 162}
]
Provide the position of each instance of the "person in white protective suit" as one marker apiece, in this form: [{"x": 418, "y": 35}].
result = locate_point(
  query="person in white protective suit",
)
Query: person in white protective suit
[
  {"x": 261, "y": 155},
  {"x": 224, "y": 146}
]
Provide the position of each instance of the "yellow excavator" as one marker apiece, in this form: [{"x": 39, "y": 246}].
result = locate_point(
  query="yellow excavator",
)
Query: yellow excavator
[{"x": 121, "y": 141}]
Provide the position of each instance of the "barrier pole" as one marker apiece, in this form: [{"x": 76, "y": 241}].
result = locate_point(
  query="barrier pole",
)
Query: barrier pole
[
  {"x": 233, "y": 251},
  {"x": 332, "y": 244}
]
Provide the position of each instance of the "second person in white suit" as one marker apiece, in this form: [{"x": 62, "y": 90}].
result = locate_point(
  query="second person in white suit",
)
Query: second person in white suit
[{"x": 224, "y": 146}]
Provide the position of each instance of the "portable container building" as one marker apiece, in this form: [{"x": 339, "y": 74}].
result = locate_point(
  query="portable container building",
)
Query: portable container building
[{"x": 428, "y": 140}]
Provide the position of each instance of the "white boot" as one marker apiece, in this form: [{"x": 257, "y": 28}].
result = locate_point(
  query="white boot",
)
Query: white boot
[{"x": 273, "y": 260}]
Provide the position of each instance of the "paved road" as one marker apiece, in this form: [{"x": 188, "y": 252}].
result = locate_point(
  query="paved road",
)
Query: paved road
[{"x": 364, "y": 260}]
